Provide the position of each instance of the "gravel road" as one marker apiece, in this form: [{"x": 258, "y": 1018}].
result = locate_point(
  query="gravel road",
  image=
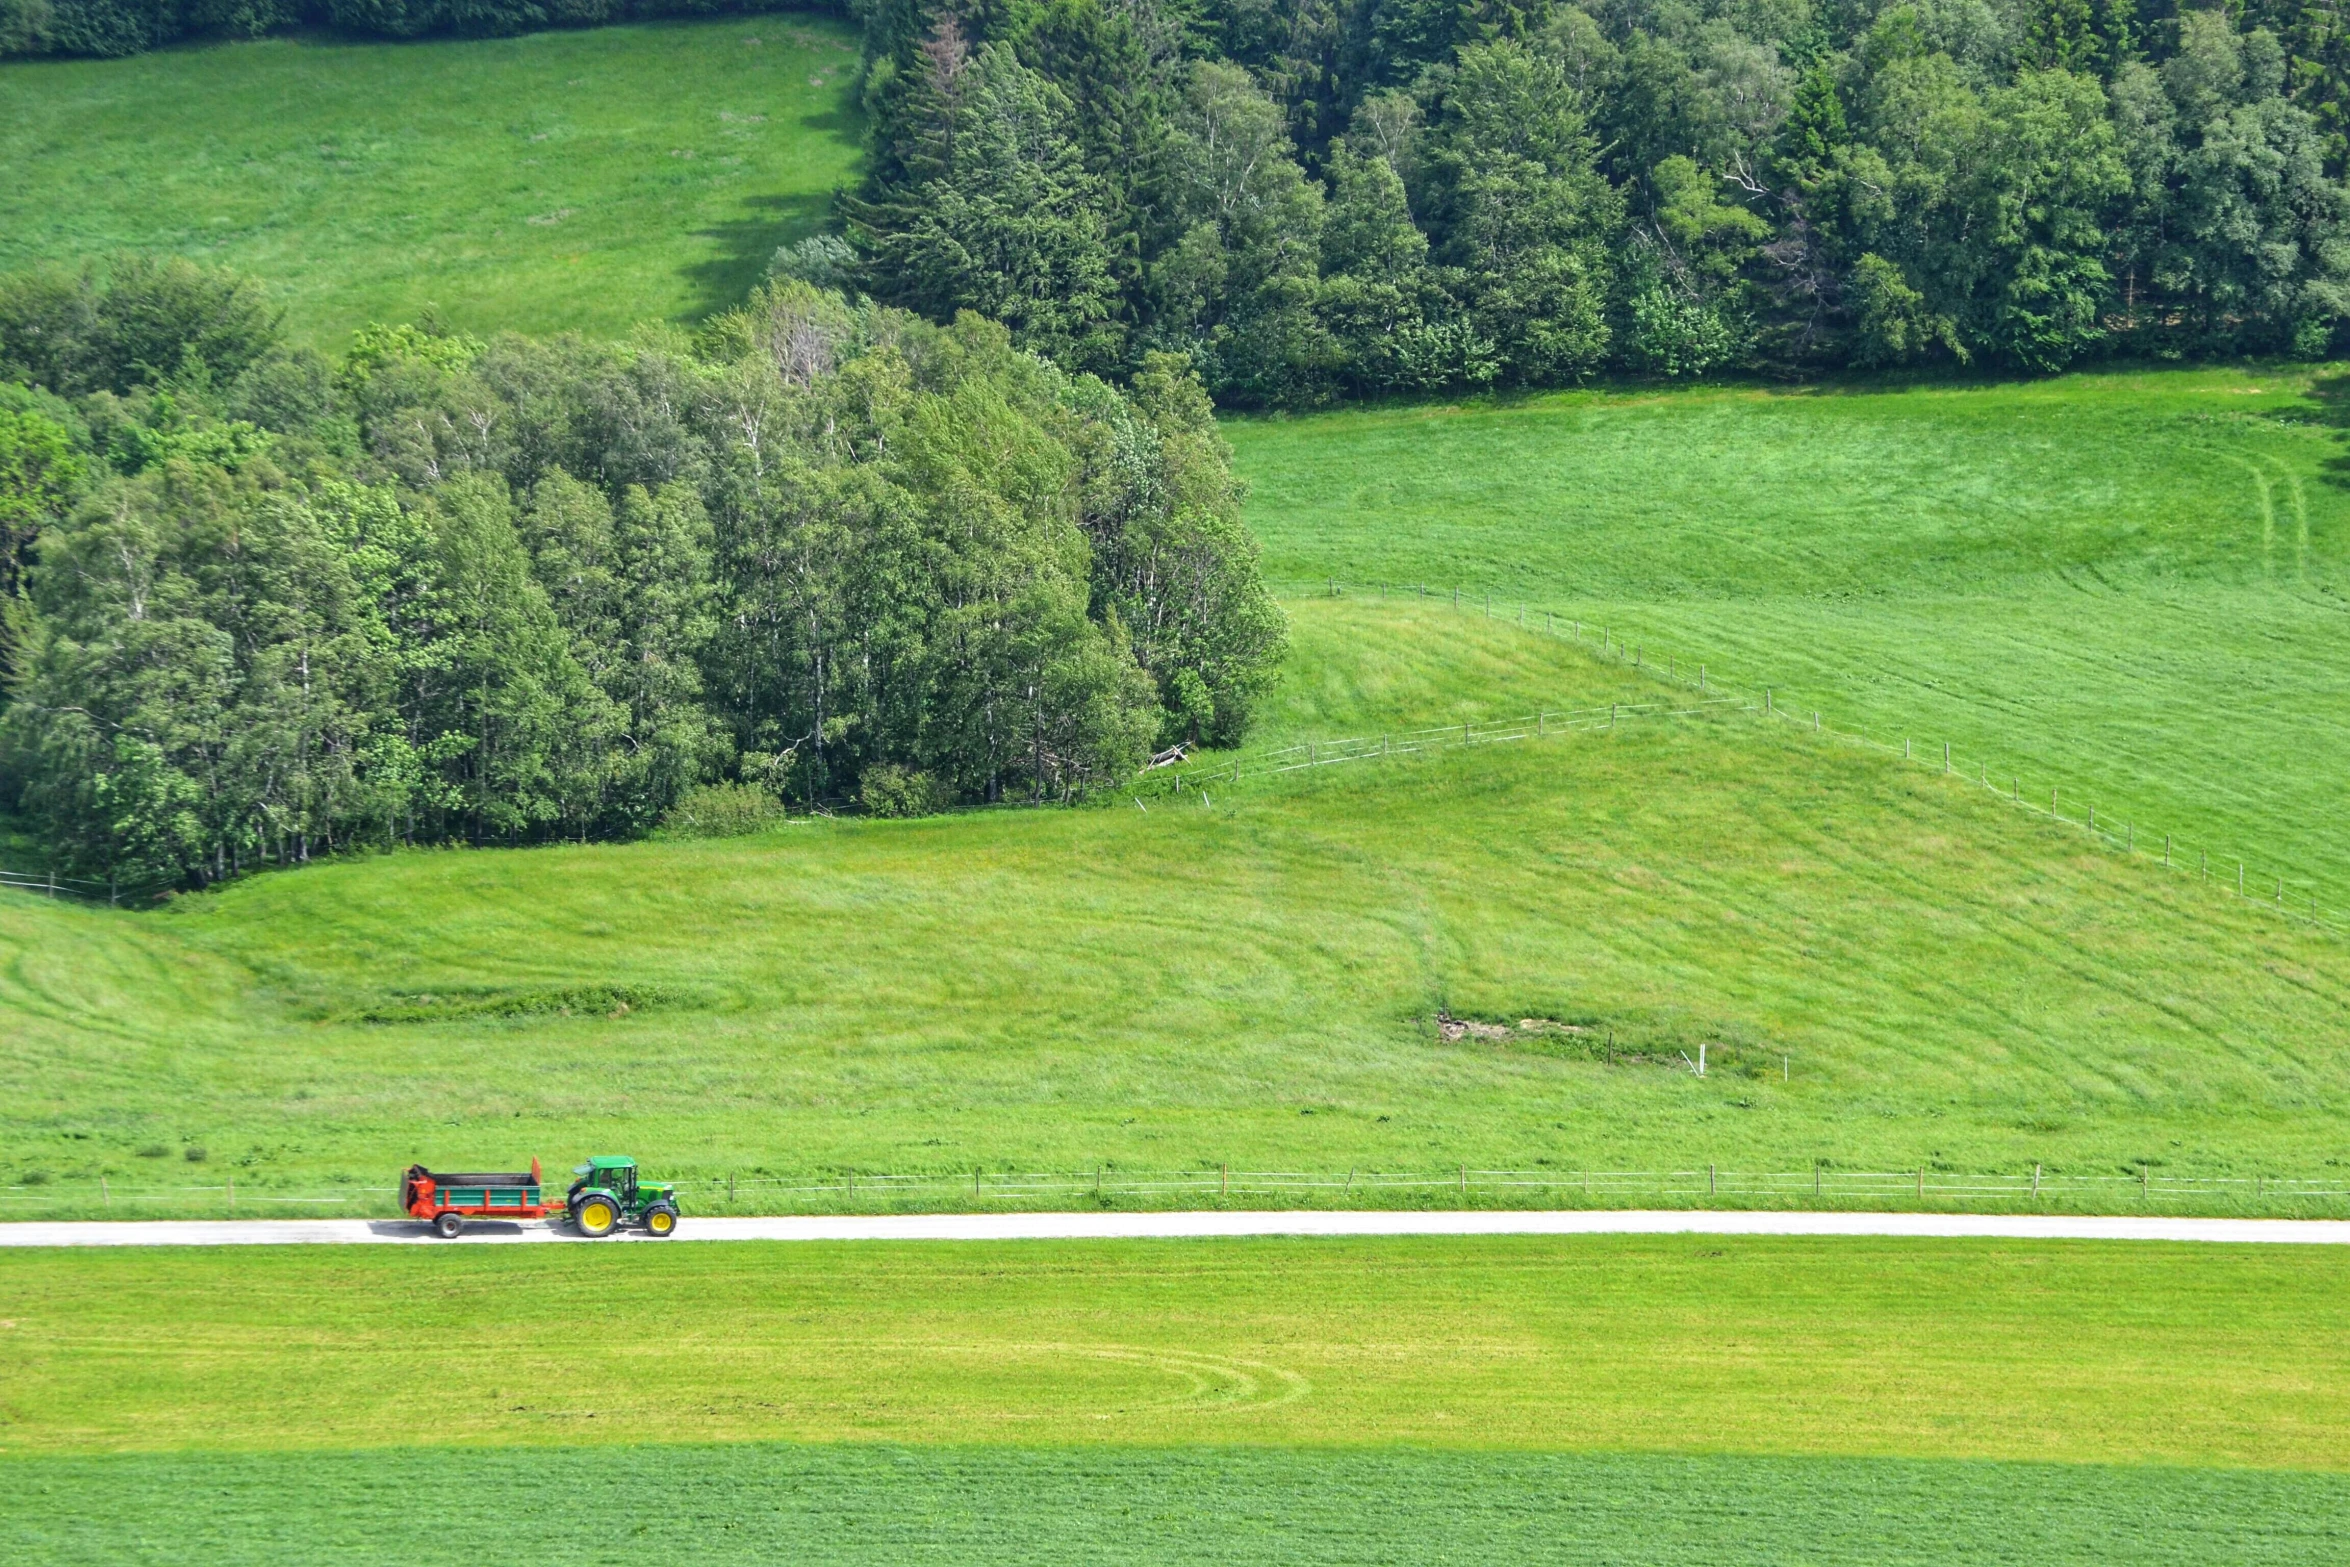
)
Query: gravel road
[{"x": 1167, "y": 1226}]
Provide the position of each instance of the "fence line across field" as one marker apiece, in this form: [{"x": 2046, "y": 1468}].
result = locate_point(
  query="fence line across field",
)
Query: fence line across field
[
  {"x": 2268, "y": 887},
  {"x": 51, "y": 885},
  {"x": 1820, "y": 1183}
]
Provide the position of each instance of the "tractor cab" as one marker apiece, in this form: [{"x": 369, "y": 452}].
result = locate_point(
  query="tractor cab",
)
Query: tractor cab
[
  {"x": 607, "y": 1194},
  {"x": 609, "y": 1174}
]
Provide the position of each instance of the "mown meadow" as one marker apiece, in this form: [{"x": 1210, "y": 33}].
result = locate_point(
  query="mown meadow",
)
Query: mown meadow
[
  {"x": 2122, "y": 586},
  {"x": 756, "y": 1503},
  {"x": 2192, "y": 1355},
  {"x": 581, "y": 180},
  {"x": 1892, "y": 969},
  {"x": 1650, "y": 1399}
]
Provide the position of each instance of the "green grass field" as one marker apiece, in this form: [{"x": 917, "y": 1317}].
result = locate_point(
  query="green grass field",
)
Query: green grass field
[
  {"x": 759, "y": 1504},
  {"x": 2232, "y": 1356},
  {"x": 1641, "y": 1399},
  {"x": 1890, "y": 968},
  {"x": 558, "y": 181},
  {"x": 2127, "y": 586}
]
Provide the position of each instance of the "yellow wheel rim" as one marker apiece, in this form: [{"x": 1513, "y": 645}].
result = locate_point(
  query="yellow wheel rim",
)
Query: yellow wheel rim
[
  {"x": 598, "y": 1214},
  {"x": 661, "y": 1223}
]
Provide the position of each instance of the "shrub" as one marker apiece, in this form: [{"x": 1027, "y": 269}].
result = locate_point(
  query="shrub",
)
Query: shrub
[
  {"x": 197, "y": 1155},
  {"x": 722, "y": 810},
  {"x": 900, "y": 791}
]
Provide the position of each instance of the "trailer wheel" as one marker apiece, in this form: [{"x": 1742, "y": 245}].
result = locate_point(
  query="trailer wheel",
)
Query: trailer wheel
[
  {"x": 451, "y": 1225},
  {"x": 660, "y": 1221},
  {"x": 595, "y": 1216}
]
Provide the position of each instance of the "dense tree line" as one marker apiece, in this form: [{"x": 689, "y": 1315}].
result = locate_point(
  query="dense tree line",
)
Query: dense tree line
[
  {"x": 264, "y": 606},
  {"x": 1318, "y": 198},
  {"x": 118, "y": 27}
]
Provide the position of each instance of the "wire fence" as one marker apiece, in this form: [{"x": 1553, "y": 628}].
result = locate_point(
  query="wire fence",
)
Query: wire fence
[
  {"x": 1697, "y": 689},
  {"x": 50, "y": 884},
  {"x": 54, "y": 885},
  {"x": 1213, "y": 1186}
]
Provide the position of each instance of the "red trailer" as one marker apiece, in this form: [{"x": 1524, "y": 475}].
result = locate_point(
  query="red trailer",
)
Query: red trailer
[{"x": 446, "y": 1201}]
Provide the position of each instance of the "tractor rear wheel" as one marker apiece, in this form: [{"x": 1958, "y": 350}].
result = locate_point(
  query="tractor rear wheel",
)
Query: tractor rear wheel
[
  {"x": 596, "y": 1216},
  {"x": 661, "y": 1221},
  {"x": 451, "y": 1225}
]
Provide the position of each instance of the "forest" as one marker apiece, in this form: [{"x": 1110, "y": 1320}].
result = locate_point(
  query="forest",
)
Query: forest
[
  {"x": 1322, "y": 201},
  {"x": 264, "y": 607}
]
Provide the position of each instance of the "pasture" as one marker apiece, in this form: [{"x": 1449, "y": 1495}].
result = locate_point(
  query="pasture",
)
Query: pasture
[
  {"x": 1646, "y": 1400},
  {"x": 563, "y": 181},
  {"x": 2124, "y": 586},
  {"x": 2194, "y": 1356},
  {"x": 1892, "y": 970},
  {"x": 753, "y": 1504}
]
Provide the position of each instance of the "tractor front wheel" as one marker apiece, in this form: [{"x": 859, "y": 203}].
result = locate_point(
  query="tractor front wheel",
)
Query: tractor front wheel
[
  {"x": 451, "y": 1225},
  {"x": 661, "y": 1221},
  {"x": 596, "y": 1216}
]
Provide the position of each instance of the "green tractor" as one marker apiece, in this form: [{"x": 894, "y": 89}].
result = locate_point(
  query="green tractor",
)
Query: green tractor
[{"x": 608, "y": 1195}]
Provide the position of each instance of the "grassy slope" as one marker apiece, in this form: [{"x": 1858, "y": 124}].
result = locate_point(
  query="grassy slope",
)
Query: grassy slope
[
  {"x": 1949, "y": 980},
  {"x": 2230, "y": 1356},
  {"x": 2126, "y": 585},
  {"x": 565, "y": 180},
  {"x": 740, "y": 1505}
]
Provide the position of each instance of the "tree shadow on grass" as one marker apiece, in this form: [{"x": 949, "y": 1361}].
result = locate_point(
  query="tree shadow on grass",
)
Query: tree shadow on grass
[
  {"x": 2329, "y": 405},
  {"x": 746, "y": 245}
]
